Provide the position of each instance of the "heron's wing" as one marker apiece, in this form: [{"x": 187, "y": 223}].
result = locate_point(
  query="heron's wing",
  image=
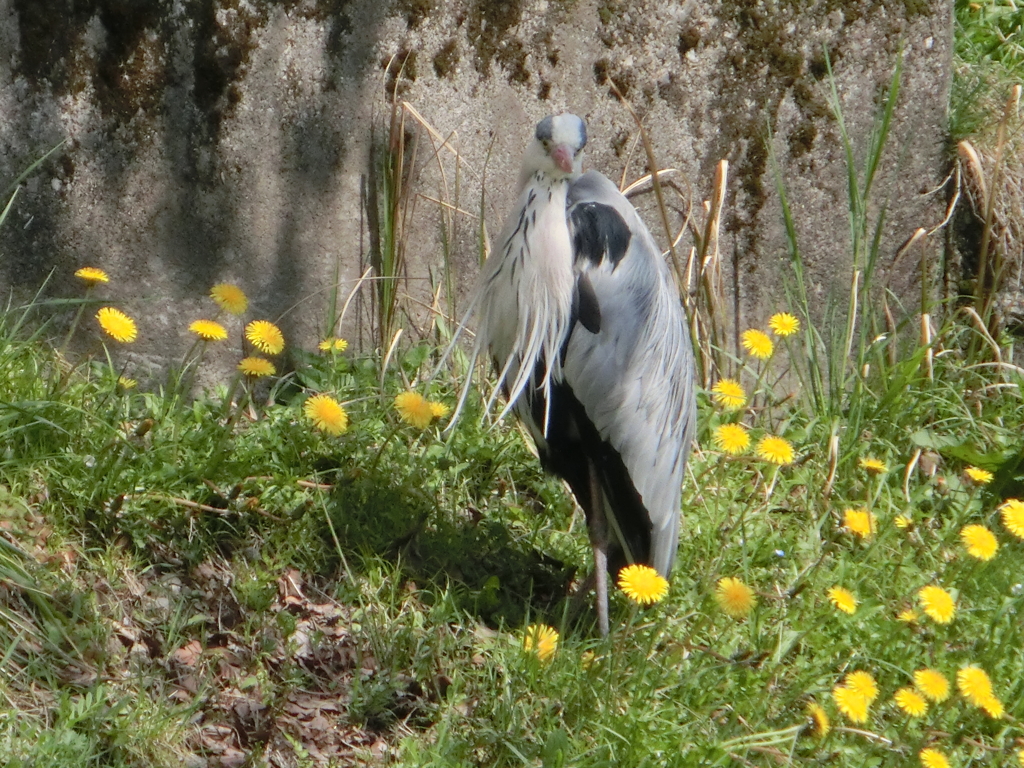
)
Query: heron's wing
[{"x": 628, "y": 360}]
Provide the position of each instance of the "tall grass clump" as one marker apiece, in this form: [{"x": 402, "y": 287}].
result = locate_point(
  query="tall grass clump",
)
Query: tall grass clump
[
  {"x": 836, "y": 366},
  {"x": 985, "y": 126},
  {"x": 988, "y": 56}
]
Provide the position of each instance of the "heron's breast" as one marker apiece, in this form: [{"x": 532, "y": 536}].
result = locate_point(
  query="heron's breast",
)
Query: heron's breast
[{"x": 550, "y": 247}]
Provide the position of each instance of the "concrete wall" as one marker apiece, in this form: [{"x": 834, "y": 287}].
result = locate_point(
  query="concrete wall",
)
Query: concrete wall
[{"x": 213, "y": 140}]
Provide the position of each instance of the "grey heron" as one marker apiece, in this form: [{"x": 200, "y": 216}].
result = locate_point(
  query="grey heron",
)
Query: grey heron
[{"x": 579, "y": 313}]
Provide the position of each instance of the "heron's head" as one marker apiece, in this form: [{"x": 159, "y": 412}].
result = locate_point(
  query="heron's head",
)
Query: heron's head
[{"x": 557, "y": 148}]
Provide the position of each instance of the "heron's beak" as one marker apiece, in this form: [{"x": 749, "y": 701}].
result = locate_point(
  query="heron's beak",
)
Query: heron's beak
[{"x": 563, "y": 156}]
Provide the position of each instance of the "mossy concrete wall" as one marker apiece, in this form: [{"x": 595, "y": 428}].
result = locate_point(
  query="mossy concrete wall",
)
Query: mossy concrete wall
[{"x": 230, "y": 140}]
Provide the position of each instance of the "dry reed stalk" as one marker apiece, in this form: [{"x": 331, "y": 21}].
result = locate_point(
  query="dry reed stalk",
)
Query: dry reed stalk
[{"x": 993, "y": 183}]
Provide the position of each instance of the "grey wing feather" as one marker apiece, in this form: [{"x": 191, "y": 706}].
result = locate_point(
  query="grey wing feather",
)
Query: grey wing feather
[{"x": 634, "y": 376}]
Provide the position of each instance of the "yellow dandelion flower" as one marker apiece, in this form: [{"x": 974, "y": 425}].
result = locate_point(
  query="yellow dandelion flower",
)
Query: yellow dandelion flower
[
  {"x": 642, "y": 584},
  {"x": 979, "y": 476},
  {"x": 843, "y": 599},
  {"x": 729, "y": 394},
  {"x": 903, "y": 522},
  {"x": 820, "y": 725},
  {"x": 932, "y": 684},
  {"x": 734, "y": 597},
  {"x": 208, "y": 330},
  {"x": 908, "y": 616},
  {"x": 933, "y": 758},
  {"x": 117, "y": 325},
  {"x": 872, "y": 465},
  {"x": 230, "y": 298},
  {"x": 257, "y": 367},
  {"x": 92, "y": 275},
  {"x": 439, "y": 410},
  {"x": 1020, "y": 757},
  {"x": 783, "y": 324},
  {"x": 1013, "y": 516},
  {"x": 541, "y": 640},
  {"x": 126, "y": 383},
  {"x": 993, "y": 707},
  {"x": 414, "y": 409},
  {"x": 732, "y": 438},
  {"x": 777, "y": 450},
  {"x": 265, "y": 336},
  {"x": 974, "y": 685},
  {"x": 860, "y": 522},
  {"x": 326, "y": 414},
  {"x": 980, "y": 542},
  {"x": 937, "y": 603},
  {"x": 863, "y": 683},
  {"x": 911, "y": 702},
  {"x": 331, "y": 344},
  {"x": 851, "y": 704},
  {"x": 757, "y": 343}
]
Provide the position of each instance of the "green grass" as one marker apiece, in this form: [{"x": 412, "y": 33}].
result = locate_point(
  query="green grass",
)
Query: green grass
[{"x": 386, "y": 576}]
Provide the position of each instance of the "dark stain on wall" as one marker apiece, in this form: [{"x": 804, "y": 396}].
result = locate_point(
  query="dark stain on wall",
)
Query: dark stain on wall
[
  {"x": 488, "y": 30},
  {"x": 446, "y": 59}
]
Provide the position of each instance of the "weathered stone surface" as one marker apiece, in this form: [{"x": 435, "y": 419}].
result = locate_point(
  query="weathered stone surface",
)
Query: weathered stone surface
[{"x": 212, "y": 140}]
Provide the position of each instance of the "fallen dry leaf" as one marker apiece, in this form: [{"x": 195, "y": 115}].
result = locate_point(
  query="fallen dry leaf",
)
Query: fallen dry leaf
[{"x": 188, "y": 655}]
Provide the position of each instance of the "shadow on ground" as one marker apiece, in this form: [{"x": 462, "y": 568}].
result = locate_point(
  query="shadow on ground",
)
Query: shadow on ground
[{"x": 495, "y": 575}]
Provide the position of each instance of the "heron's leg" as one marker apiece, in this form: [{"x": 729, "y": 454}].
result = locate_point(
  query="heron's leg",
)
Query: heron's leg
[
  {"x": 599, "y": 541},
  {"x": 601, "y": 573}
]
